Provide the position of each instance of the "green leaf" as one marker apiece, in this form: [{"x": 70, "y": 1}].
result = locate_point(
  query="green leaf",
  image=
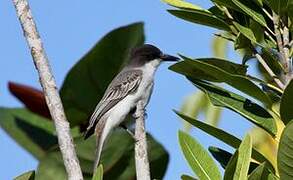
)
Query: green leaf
[
  {"x": 285, "y": 152},
  {"x": 243, "y": 161},
  {"x": 231, "y": 167},
  {"x": 258, "y": 17},
  {"x": 286, "y": 107},
  {"x": 242, "y": 42},
  {"x": 261, "y": 172},
  {"x": 193, "y": 105},
  {"x": 227, "y": 3},
  {"x": 30, "y": 175},
  {"x": 201, "y": 70},
  {"x": 222, "y": 136},
  {"x": 213, "y": 114},
  {"x": 198, "y": 158},
  {"x": 223, "y": 157},
  {"x": 203, "y": 17},
  {"x": 86, "y": 82},
  {"x": 34, "y": 133},
  {"x": 220, "y": 47},
  {"x": 117, "y": 158},
  {"x": 98, "y": 175},
  {"x": 183, "y": 5},
  {"x": 247, "y": 32},
  {"x": 187, "y": 177},
  {"x": 220, "y": 155},
  {"x": 243, "y": 106},
  {"x": 278, "y": 6}
]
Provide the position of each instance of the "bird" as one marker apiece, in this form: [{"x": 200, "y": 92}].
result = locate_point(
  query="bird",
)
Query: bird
[{"x": 132, "y": 84}]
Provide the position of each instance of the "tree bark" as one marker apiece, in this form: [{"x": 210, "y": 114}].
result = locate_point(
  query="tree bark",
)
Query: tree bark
[
  {"x": 141, "y": 154},
  {"x": 48, "y": 84}
]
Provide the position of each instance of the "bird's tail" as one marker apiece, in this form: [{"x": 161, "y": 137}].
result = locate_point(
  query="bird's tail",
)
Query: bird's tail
[{"x": 102, "y": 130}]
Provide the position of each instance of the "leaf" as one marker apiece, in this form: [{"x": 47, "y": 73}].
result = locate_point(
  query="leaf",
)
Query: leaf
[
  {"x": 250, "y": 12},
  {"x": 278, "y": 6},
  {"x": 183, "y": 5},
  {"x": 227, "y": 3},
  {"x": 246, "y": 32},
  {"x": 193, "y": 68},
  {"x": 187, "y": 177},
  {"x": 32, "y": 132},
  {"x": 220, "y": 155},
  {"x": 220, "y": 47},
  {"x": 231, "y": 167},
  {"x": 98, "y": 175},
  {"x": 30, "y": 175},
  {"x": 203, "y": 17},
  {"x": 32, "y": 98},
  {"x": 285, "y": 152},
  {"x": 243, "y": 161},
  {"x": 223, "y": 157},
  {"x": 222, "y": 136},
  {"x": 86, "y": 82},
  {"x": 198, "y": 158},
  {"x": 213, "y": 114},
  {"x": 286, "y": 107},
  {"x": 193, "y": 105},
  {"x": 261, "y": 172},
  {"x": 245, "y": 107}
]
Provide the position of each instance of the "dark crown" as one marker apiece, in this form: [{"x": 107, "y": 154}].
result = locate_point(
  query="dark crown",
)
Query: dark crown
[{"x": 145, "y": 52}]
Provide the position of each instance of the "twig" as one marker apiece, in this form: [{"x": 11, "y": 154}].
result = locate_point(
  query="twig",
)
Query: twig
[
  {"x": 276, "y": 20},
  {"x": 141, "y": 155},
  {"x": 268, "y": 69},
  {"x": 287, "y": 54},
  {"x": 50, "y": 90}
]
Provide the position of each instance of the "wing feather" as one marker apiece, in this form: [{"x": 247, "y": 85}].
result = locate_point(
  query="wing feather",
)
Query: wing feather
[{"x": 123, "y": 84}]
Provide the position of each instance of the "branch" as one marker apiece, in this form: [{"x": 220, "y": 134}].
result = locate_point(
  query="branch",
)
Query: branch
[
  {"x": 268, "y": 69},
  {"x": 141, "y": 155},
  {"x": 50, "y": 89}
]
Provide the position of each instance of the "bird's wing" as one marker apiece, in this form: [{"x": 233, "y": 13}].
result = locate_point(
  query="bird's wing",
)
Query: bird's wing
[{"x": 123, "y": 84}]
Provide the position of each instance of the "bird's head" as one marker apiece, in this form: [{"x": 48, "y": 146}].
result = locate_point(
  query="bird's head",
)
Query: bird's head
[{"x": 147, "y": 53}]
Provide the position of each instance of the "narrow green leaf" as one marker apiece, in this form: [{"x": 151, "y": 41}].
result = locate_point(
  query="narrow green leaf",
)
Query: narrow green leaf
[
  {"x": 201, "y": 17},
  {"x": 201, "y": 70},
  {"x": 231, "y": 167},
  {"x": 278, "y": 6},
  {"x": 34, "y": 133},
  {"x": 183, "y": 5},
  {"x": 222, "y": 136},
  {"x": 227, "y": 3},
  {"x": 220, "y": 155},
  {"x": 286, "y": 107},
  {"x": 243, "y": 161},
  {"x": 245, "y": 31},
  {"x": 261, "y": 172},
  {"x": 223, "y": 157},
  {"x": 198, "y": 158},
  {"x": 213, "y": 114},
  {"x": 258, "y": 17},
  {"x": 220, "y": 47},
  {"x": 285, "y": 152},
  {"x": 243, "y": 106},
  {"x": 30, "y": 175},
  {"x": 187, "y": 177},
  {"x": 193, "y": 105},
  {"x": 96, "y": 69},
  {"x": 98, "y": 175}
]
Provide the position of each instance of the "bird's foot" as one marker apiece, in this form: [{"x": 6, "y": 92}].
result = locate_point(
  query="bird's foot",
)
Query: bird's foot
[{"x": 137, "y": 115}]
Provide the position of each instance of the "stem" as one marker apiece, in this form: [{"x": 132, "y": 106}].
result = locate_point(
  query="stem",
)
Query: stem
[
  {"x": 50, "y": 89},
  {"x": 276, "y": 20},
  {"x": 268, "y": 69},
  {"x": 141, "y": 155}
]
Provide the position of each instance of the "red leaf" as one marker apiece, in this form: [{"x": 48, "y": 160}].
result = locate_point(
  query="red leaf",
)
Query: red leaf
[{"x": 32, "y": 98}]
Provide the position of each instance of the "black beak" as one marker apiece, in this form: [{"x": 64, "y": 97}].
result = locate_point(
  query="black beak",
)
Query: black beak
[{"x": 166, "y": 57}]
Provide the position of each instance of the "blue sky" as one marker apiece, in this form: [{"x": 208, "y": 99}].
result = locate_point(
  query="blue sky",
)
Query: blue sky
[{"x": 70, "y": 28}]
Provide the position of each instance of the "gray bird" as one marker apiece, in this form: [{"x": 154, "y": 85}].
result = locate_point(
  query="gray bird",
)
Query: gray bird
[{"x": 134, "y": 83}]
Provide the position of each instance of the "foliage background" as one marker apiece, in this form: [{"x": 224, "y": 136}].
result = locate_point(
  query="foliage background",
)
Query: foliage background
[{"x": 70, "y": 28}]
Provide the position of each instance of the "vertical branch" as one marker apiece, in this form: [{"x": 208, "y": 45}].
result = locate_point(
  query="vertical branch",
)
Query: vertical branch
[
  {"x": 50, "y": 90},
  {"x": 141, "y": 155}
]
